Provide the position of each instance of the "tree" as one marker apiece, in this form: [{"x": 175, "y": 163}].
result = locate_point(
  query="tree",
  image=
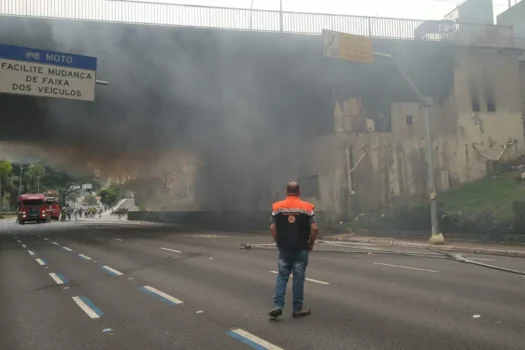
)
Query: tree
[
  {"x": 34, "y": 173},
  {"x": 109, "y": 195},
  {"x": 90, "y": 200},
  {"x": 5, "y": 171}
]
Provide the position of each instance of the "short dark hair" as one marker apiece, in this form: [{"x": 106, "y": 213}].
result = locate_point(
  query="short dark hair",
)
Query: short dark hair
[{"x": 293, "y": 188}]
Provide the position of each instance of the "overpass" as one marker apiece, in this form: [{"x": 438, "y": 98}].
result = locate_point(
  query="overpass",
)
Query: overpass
[{"x": 227, "y": 88}]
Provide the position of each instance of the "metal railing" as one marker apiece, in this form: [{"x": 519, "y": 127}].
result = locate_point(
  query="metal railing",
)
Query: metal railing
[{"x": 141, "y": 12}]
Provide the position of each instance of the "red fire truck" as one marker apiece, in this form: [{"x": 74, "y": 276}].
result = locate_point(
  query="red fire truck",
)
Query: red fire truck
[
  {"x": 31, "y": 207},
  {"x": 52, "y": 205}
]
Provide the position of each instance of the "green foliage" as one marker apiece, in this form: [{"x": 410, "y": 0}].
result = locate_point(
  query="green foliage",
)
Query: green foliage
[
  {"x": 8, "y": 188},
  {"x": 6, "y": 168},
  {"x": 7, "y": 215},
  {"x": 33, "y": 175},
  {"x": 109, "y": 195},
  {"x": 491, "y": 208},
  {"x": 90, "y": 200}
]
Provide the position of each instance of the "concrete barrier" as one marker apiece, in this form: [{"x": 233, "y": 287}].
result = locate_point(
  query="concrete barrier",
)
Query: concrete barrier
[{"x": 210, "y": 220}]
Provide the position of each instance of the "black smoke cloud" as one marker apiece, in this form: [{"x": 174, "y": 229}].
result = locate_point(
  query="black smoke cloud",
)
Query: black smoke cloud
[
  {"x": 237, "y": 98},
  {"x": 228, "y": 95}
]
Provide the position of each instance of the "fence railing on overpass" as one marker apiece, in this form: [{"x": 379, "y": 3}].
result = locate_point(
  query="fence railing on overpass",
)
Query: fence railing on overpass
[{"x": 145, "y": 12}]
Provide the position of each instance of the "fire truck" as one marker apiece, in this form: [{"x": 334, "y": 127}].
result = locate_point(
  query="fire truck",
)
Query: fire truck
[
  {"x": 52, "y": 205},
  {"x": 31, "y": 207}
]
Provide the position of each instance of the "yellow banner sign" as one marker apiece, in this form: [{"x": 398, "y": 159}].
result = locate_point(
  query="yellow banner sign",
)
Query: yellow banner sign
[{"x": 356, "y": 48}]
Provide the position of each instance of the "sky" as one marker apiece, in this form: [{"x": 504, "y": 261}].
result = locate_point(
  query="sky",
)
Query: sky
[{"x": 410, "y": 9}]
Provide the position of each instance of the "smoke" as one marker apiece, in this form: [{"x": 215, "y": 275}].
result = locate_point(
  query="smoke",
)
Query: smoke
[
  {"x": 234, "y": 98},
  {"x": 238, "y": 99}
]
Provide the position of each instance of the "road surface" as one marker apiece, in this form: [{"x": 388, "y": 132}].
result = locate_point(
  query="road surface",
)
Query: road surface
[{"x": 111, "y": 284}]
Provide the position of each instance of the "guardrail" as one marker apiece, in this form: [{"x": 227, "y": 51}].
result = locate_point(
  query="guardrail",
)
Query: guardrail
[{"x": 144, "y": 12}]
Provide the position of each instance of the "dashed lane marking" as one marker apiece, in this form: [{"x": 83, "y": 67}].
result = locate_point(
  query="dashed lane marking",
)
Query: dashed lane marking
[
  {"x": 111, "y": 271},
  {"x": 88, "y": 307},
  {"x": 55, "y": 243},
  {"x": 307, "y": 279},
  {"x": 404, "y": 267},
  {"x": 171, "y": 250},
  {"x": 24, "y": 246},
  {"x": 32, "y": 253},
  {"x": 68, "y": 249},
  {"x": 118, "y": 239},
  {"x": 251, "y": 340},
  {"x": 85, "y": 257},
  {"x": 58, "y": 278},
  {"x": 41, "y": 262},
  {"x": 161, "y": 295}
]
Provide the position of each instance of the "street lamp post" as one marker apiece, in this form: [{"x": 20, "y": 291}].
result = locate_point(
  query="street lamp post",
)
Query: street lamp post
[
  {"x": 21, "y": 173},
  {"x": 38, "y": 183},
  {"x": 426, "y": 102}
]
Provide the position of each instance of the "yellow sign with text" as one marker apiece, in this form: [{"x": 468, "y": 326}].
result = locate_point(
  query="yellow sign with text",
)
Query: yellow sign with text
[{"x": 356, "y": 48}]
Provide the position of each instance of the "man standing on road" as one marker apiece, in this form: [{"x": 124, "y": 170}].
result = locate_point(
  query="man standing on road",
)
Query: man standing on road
[{"x": 294, "y": 230}]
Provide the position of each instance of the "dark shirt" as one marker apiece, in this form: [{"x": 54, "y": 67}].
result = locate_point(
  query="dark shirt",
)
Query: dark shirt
[{"x": 293, "y": 218}]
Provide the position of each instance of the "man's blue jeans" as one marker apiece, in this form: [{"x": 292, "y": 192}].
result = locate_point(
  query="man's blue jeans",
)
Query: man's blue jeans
[{"x": 296, "y": 261}]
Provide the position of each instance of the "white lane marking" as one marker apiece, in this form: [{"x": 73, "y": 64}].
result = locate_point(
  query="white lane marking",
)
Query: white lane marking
[
  {"x": 55, "y": 243},
  {"x": 163, "y": 295},
  {"x": 68, "y": 249},
  {"x": 84, "y": 256},
  {"x": 118, "y": 239},
  {"x": 112, "y": 270},
  {"x": 249, "y": 339},
  {"x": 171, "y": 250},
  {"x": 31, "y": 252},
  {"x": 18, "y": 241},
  {"x": 46, "y": 239},
  {"x": 40, "y": 261},
  {"x": 55, "y": 278},
  {"x": 308, "y": 279},
  {"x": 405, "y": 267},
  {"x": 24, "y": 246},
  {"x": 88, "y": 310}
]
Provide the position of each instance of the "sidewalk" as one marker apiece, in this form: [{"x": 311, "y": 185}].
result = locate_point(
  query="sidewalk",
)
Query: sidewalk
[{"x": 517, "y": 251}]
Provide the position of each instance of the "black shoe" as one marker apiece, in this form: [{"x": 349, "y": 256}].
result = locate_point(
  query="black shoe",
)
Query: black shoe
[
  {"x": 276, "y": 312},
  {"x": 303, "y": 312}
]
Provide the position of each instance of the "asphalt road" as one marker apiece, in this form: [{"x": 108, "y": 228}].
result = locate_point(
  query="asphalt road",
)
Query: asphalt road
[{"x": 110, "y": 284}]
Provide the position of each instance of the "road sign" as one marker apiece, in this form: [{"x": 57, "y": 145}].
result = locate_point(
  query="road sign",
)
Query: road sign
[
  {"x": 34, "y": 72},
  {"x": 348, "y": 47}
]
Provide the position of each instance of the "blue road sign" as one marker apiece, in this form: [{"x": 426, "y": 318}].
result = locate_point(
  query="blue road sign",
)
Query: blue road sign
[{"x": 20, "y": 53}]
